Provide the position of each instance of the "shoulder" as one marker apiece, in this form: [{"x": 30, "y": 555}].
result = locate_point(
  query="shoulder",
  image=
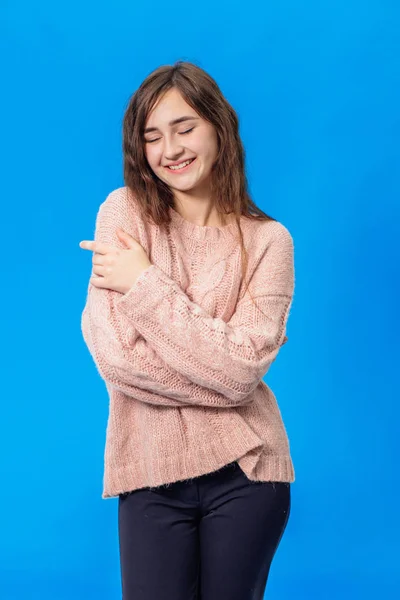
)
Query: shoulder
[
  {"x": 267, "y": 234},
  {"x": 120, "y": 208},
  {"x": 280, "y": 234},
  {"x": 118, "y": 200}
]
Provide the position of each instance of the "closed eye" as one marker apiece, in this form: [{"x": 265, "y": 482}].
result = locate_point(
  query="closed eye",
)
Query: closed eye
[
  {"x": 180, "y": 133},
  {"x": 187, "y": 131}
]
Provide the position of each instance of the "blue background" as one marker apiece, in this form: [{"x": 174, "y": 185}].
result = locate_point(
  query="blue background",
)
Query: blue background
[{"x": 316, "y": 88}]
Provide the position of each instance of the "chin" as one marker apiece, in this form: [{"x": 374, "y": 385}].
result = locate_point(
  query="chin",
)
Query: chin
[{"x": 188, "y": 189}]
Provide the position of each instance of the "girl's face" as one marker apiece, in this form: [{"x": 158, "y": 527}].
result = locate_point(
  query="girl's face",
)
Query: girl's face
[{"x": 174, "y": 133}]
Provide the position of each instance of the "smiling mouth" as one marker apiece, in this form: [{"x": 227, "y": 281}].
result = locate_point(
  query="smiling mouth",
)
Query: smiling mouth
[{"x": 181, "y": 166}]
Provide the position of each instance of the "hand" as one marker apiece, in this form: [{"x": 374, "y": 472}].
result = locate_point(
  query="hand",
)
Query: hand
[{"x": 117, "y": 268}]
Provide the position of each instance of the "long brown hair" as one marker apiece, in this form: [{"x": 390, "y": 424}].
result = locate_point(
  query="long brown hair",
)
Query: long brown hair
[{"x": 229, "y": 187}]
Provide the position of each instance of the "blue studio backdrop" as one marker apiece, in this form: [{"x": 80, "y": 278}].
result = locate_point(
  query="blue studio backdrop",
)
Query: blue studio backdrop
[{"x": 316, "y": 88}]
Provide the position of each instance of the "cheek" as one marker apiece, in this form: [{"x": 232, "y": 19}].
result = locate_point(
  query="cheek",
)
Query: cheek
[
  {"x": 210, "y": 151},
  {"x": 207, "y": 146},
  {"x": 151, "y": 155}
]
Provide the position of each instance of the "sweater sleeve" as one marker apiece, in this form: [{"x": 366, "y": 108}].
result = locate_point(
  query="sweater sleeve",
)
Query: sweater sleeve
[
  {"x": 124, "y": 359},
  {"x": 231, "y": 357},
  {"x": 126, "y": 362}
]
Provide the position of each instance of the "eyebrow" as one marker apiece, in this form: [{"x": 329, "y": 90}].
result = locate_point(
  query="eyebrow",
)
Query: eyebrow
[{"x": 173, "y": 122}]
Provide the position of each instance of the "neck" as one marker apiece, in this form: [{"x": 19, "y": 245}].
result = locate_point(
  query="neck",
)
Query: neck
[{"x": 199, "y": 210}]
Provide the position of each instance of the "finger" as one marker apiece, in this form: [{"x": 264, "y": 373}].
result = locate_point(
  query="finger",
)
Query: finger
[
  {"x": 86, "y": 244},
  {"x": 127, "y": 239},
  {"x": 99, "y": 270},
  {"x": 98, "y": 259},
  {"x": 98, "y": 282},
  {"x": 98, "y": 247}
]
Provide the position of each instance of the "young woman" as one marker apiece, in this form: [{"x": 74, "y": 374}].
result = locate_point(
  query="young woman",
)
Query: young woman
[{"x": 186, "y": 310}]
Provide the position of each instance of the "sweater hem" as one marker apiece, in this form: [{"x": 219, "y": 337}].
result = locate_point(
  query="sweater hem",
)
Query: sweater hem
[{"x": 251, "y": 453}]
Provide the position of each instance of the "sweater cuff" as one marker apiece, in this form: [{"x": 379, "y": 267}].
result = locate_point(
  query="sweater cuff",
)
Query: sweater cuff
[{"x": 147, "y": 291}]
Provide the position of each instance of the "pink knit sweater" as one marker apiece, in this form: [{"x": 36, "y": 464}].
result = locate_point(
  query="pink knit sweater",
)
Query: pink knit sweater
[{"x": 183, "y": 352}]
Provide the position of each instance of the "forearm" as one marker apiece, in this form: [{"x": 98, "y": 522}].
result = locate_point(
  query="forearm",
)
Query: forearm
[{"x": 133, "y": 367}]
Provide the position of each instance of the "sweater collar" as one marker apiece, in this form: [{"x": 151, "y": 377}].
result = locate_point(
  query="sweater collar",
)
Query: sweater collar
[{"x": 209, "y": 233}]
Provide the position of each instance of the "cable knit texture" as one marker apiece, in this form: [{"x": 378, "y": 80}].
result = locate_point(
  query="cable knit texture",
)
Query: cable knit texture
[{"x": 184, "y": 351}]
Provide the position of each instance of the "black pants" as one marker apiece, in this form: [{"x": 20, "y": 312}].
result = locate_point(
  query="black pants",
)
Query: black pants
[{"x": 206, "y": 538}]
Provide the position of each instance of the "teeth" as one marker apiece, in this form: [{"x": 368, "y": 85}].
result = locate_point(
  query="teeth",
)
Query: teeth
[{"x": 181, "y": 165}]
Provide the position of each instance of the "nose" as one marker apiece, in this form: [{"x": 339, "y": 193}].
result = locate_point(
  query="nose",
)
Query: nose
[{"x": 172, "y": 148}]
